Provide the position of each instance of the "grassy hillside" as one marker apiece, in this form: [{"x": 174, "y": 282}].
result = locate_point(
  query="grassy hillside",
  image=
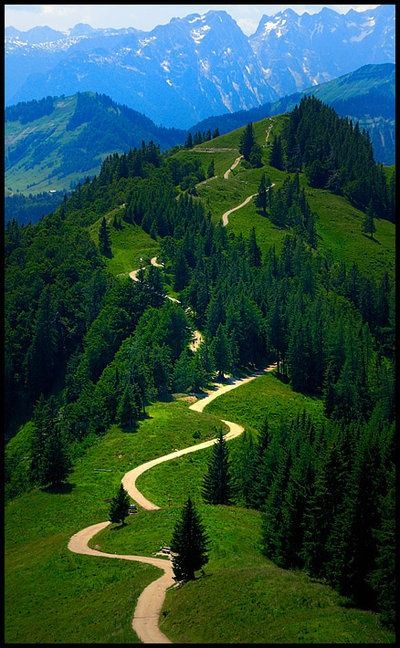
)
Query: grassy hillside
[
  {"x": 46, "y": 586},
  {"x": 55, "y": 150},
  {"x": 367, "y": 95},
  {"x": 130, "y": 245},
  {"x": 338, "y": 222}
]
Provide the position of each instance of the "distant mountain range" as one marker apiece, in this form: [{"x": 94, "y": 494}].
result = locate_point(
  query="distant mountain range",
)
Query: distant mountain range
[
  {"x": 52, "y": 143},
  {"x": 197, "y": 66},
  {"x": 366, "y": 95}
]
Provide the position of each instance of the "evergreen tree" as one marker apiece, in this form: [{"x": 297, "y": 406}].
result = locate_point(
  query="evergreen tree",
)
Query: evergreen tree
[
  {"x": 211, "y": 169},
  {"x": 255, "y": 157},
  {"x": 119, "y": 507},
  {"x": 41, "y": 357},
  {"x": 127, "y": 411},
  {"x": 276, "y": 156},
  {"x": 383, "y": 577},
  {"x": 189, "y": 544},
  {"x": 221, "y": 352},
  {"x": 262, "y": 198},
  {"x": 368, "y": 225},
  {"x": 182, "y": 375},
  {"x": 181, "y": 271},
  {"x": 56, "y": 461},
  {"x": 215, "y": 133},
  {"x": 189, "y": 141},
  {"x": 254, "y": 250},
  {"x": 247, "y": 142},
  {"x": 216, "y": 484},
  {"x": 104, "y": 239}
]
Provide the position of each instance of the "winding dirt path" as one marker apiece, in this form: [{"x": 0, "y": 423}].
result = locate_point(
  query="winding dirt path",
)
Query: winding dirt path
[
  {"x": 225, "y": 216},
  {"x": 148, "y": 608},
  {"x": 233, "y": 166}
]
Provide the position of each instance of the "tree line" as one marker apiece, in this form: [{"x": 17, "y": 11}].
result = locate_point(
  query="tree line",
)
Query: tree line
[
  {"x": 335, "y": 155},
  {"x": 104, "y": 348}
]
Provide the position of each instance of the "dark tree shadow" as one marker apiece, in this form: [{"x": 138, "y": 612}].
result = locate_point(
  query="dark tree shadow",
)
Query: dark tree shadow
[
  {"x": 119, "y": 527},
  {"x": 372, "y": 238},
  {"x": 59, "y": 489}
]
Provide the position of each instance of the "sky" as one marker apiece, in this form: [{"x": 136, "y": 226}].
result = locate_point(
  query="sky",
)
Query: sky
[{"x": 145, "y": 17}]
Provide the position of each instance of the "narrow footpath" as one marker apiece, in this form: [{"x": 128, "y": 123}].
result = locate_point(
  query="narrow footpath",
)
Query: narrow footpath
[{"x": 146, "y": 617}]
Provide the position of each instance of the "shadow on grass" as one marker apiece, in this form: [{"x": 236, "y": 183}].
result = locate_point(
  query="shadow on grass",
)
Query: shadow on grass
[
  {"x": 372, "y": 238},
  {"x": 59, "y": 489},
  {"x": 119, "y": 527}
]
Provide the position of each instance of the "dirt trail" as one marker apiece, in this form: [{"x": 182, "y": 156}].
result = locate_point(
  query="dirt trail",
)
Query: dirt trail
[
  {"x": 225, "y": 216},
  {"x": 225, "y": 220},
  {"x": 197, "y": 339},
  {"x": 233, "y": 166},
  {"x": 148, "y": 608}
]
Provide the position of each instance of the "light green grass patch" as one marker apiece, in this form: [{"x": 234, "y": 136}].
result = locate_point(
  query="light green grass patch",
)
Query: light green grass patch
[
  {"x": 264, "y": 396},
  {"x": 128, "y": 245},
  {"x": 54, "y": 596},
  {"x": 339, "y": 226}
]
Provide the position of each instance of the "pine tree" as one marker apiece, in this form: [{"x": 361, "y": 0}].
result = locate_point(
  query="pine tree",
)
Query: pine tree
[
  {"x": 216, "y": 484},
  {"x": 127, "y": 410},
  {"x": 221, "y": 352},
  {"x": 189, "y": 141},
  {"x": 119, "y": 507},
  {"x": 215, "y": 133},
  {"x": 262, "y": 198},
  {"x": 181, "y": 270},
  {"x": 57, "y": 464},
  {"x": 368, "y": 225},
  {"x": 211, "y": 169},
  {"x": 255, "y": 157},
  {"x": 247, "y": 142},
  {"x": 189, "y": 544},
  {"x": 254, "y": 250},
  {"x": 104, "y": 239},
  {"x": 41, "y": 357},
  {"x": 383, "y": 577},
  {"x": 276, "y": 157}
]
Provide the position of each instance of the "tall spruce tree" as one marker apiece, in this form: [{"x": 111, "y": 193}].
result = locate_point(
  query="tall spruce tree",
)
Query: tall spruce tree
[
  {"x": 276, "y": 156},
  {"x": 217, "y": 480},
  {"x": 189, "y": 544},
  {"x": 221, "y": 352},
  {"x": 211, "y": 169},
  {"x": 262, "y": 198},
  {"x": 254, "y": 250},
  {"x": 119, "y": 507},
  {"x": 368, "y": 225},
  {"x": 247, "y": 142},
  {"x": 104, "y": 239}
]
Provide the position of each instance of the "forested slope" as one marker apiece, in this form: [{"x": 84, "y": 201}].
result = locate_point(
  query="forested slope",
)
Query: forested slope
[{"x": 87, "y": 348}]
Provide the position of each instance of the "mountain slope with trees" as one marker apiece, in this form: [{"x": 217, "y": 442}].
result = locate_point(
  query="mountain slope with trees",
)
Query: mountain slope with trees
[
  {"x": 87, "y": 349},
  {"x": 56, "y": 142},
  {"x": 366, "y": 95}
]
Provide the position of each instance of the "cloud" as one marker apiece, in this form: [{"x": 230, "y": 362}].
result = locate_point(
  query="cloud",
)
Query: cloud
[{"x": 27, "y": 8}]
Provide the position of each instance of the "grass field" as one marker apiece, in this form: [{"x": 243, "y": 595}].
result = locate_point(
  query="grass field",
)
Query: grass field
[
  {"x": 54, "y": 596},
  {"x": 128, "y": 245},
  {"x": 261, "y": 603},
  {"x": 338, "y": 222}
]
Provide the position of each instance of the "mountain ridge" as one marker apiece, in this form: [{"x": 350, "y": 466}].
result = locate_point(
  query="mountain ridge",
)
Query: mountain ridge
[{"x": 199, "y": 65}]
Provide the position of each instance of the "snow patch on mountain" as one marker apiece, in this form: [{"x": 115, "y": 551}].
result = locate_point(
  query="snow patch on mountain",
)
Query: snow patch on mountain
[{"x": 198, "y": 34}]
